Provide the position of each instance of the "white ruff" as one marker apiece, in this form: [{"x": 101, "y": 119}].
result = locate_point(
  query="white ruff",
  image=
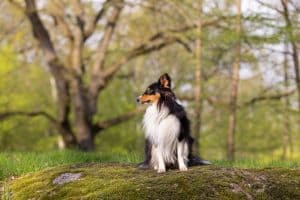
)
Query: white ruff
[{"x": 162, "y": 130}]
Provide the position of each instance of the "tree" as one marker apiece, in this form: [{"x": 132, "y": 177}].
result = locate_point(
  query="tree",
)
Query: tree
[
  {"x": 291, "y": 38},
  {"x": 286, "y": 135},
  {"x": 234, "y": 89},
  {"x": 198, "y": 81},
  {"x": 79, "y": 79}
]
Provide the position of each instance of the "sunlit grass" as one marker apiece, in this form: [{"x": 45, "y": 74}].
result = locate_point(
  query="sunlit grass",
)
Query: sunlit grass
[{"x": 16, "y": 164}]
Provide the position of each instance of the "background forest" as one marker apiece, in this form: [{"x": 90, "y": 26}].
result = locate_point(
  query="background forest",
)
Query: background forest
[{"x": 70, "y": 72}]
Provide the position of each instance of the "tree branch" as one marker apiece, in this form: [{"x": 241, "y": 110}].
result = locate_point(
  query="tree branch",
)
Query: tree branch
[
  {"x": 155, "y": 42},
  {"x": 78, "y": 33},
  {"x": 58, "y": 15},
  {"x": 63, "y": 128},
  {"x": 214, "y": 101},
  {"x": 39, "y": 31},
  {"x": 105, "y": 40},
  {"x": 41, "y": 34},
  {"x": 270, "y": 6},
  {"x": 268, "y": 97},
  {"x": 91, "y": 26},
  {"x": 79, "y": 14},
  {"x": 96, "y": 75},
  {"x": 5, "y": 115},
  {"x": 118, "y": 120},
  {"x": 146, "y": 48}
]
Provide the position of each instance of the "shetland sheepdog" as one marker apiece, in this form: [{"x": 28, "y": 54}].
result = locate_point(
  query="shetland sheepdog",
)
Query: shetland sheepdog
[{"x": 167, "y": 128}]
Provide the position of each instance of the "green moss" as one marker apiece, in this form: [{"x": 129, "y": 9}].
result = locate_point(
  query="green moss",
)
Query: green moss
[{"x": 116, "y": 181}]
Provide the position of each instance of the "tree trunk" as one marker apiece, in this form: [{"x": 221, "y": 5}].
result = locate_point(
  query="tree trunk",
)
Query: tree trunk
[
  {"x": 61, "y": 97},
  {"x": 234, "y": 91},
  {"x": 63, "y": 106},
  {"x": 291, "y": 38},
  {"x": 286, "y": 136},
  {"x": 286, "y": 117},
  {"x": 81, "y": 98},
  {"x": 57, "y": 70},
  {"x": 198, "y": 83},
  {"x": 83, "y": 118}
]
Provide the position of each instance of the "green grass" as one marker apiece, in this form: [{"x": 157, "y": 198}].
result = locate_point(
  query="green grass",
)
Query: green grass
[
  {"x": 19, "y": 163},
  {"x": 16, "y": 164}
]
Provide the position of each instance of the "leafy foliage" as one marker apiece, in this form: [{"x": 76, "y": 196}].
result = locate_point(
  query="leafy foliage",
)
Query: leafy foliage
[{"x": 25, "y": 82}]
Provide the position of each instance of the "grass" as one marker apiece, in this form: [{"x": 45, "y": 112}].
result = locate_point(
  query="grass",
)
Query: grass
[
  {"x": 20, "y": 163},
  {"x": 15, "y": 164}
]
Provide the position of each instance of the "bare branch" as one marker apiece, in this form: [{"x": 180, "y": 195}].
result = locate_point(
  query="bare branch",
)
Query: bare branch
[
  {"x": 79, "y": 14},
  {"x": 290, "y": 36},
  {"x": 6, "y": 115},
  {"x": 63, "y": 128},
  {"x": 156, "y": 42},
  {"x": 39, "y": 31},
  {"x": 268, "y": 97},
  {"x": 41, "y": 34},
  {"x": 210, "y": 99},
  {"x": 96, "y": 76},
  {"x": 120, "y": 119},
  {"x": 58, "y": 15},
  {"x": 105, "y": 40},
  {"x": 297, "y": 8},
  {"x": 91, "y": 25},
  {"x": 270, "y": 6},
  {"x": 146, "y": 48},
  {"x": 217, "y": 102}
]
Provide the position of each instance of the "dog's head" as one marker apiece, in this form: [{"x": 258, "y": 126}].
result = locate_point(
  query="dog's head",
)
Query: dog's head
[{"x": 157, "y": 90}]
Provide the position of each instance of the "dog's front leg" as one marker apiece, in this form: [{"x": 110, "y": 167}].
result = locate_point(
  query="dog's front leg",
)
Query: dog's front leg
[
  {"x": 182, "y": 153},
  {"x": 161, "y": 162}
]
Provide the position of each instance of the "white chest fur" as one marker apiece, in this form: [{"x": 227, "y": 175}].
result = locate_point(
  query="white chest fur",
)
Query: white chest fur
[{"x": 162, "y": 129}]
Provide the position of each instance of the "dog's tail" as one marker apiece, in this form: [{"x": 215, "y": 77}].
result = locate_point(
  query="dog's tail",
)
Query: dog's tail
[
  {"x": 193, "y": 159},
  {"x": 196, "y": 161}
]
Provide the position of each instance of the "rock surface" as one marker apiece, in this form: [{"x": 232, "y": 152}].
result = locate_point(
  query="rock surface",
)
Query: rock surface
[
  {"x": 66, "y": 178},
  {"x": 118, "y": 181}
]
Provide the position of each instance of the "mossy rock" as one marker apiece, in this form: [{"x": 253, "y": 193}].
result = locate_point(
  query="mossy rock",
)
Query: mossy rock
[{"x": 117, "y": 181}]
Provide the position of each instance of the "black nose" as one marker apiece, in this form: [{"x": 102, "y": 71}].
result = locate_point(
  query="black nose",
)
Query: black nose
[{"x": 138, "y": 99}]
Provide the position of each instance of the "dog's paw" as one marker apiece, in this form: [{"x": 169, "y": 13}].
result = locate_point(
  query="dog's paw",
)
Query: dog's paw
[
  {"x": 183, "y": 168},
  {"x": 161, "y": 170}
]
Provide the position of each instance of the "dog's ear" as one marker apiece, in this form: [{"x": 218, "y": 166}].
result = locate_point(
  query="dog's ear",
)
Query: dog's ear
[{"x": 165, "y": 81}]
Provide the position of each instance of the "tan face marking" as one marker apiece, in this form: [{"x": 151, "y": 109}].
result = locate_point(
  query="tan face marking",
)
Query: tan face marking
[{"x": 145, "y": 98}]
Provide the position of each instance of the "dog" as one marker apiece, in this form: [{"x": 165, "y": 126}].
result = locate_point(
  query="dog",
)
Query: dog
[{"x": 167, "y": 129}]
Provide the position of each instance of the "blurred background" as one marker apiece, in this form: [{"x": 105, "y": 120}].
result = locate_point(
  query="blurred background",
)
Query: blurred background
[{"x": 70, "y": 72}]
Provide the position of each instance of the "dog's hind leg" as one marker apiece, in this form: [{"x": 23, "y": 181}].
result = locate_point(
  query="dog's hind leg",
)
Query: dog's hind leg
[{"x": 182, "y": 155}]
